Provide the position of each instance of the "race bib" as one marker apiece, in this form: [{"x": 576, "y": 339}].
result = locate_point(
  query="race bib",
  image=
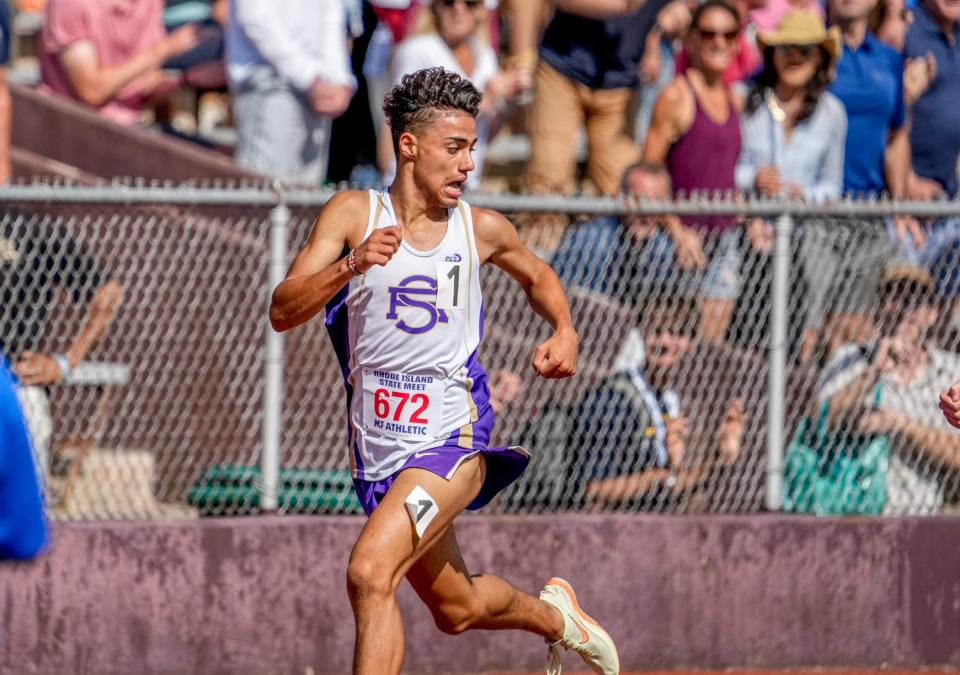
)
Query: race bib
[{"x": 402, "y": 405}]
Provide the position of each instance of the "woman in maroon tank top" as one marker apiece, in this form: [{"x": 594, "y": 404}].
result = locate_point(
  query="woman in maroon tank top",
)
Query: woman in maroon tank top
[{"x": 695, "y": 131}]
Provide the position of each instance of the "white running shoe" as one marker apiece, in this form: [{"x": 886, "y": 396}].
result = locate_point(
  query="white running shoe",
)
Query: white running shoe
[{"x": 580, "y": 633}]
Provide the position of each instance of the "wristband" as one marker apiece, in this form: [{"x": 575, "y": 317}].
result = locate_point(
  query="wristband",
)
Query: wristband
[
  {"x": 352, "y": 263},
  {"x": 64, "y": 364}
]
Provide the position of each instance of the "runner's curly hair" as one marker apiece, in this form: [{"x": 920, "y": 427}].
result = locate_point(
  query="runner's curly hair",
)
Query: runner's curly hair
[{"x": 414, "y": 102}]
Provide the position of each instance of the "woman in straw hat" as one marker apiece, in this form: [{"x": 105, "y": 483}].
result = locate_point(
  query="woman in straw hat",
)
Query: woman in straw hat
[{"x": 793, "y": 141}]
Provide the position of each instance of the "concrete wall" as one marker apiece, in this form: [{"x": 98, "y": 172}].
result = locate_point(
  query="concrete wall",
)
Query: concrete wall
[{"x": 266, "y": 595}]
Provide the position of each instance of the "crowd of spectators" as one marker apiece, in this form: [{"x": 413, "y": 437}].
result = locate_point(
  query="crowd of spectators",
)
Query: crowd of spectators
[{"x": 806, "y": 100}]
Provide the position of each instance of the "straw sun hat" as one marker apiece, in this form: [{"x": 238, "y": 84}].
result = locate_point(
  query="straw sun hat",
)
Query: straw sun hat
[{"x": 799, "y": 27}]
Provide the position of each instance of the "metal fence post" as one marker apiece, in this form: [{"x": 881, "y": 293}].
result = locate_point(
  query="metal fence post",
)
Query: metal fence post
[
  {"x": 273, "y": 364},
  {"x": 777, "y": 379}
]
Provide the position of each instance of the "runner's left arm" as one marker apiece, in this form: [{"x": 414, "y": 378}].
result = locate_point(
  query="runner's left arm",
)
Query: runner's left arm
[{"x": 497, "y": 241}]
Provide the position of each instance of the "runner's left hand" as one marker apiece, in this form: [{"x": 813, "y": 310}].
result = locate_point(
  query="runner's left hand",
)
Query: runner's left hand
[{"x": 557, "y": 356}]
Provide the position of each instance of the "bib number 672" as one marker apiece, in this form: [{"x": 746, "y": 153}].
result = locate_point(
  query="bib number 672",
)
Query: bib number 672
[{"x": 385, "y": 401}]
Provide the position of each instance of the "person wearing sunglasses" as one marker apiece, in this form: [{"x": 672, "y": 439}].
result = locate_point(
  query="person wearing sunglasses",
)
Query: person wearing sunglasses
[
  {"x": 696, "y": 131},
  {"x": 746, "y": 58},
  {"x": 793, "y": 140},
  {"x": 452, "y": 34}
]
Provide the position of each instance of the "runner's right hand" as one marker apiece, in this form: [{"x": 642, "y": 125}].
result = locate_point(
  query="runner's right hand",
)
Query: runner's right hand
[{"x": 378, "y": 248}]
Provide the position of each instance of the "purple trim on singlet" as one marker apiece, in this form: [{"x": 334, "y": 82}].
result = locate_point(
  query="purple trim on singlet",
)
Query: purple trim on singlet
[
  {"x": 704, "y": 159},
  {"x": 338, "y": 325}
]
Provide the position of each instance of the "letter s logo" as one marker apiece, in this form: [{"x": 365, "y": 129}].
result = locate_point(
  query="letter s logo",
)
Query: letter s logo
[{"x": 417, "y": 292}]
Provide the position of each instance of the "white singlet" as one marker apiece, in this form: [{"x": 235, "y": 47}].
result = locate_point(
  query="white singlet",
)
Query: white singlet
[{"x": 406, "y": 335}]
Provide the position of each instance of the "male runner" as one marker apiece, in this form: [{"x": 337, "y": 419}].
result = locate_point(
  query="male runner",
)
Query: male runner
[{"x": 405, "y": 315}]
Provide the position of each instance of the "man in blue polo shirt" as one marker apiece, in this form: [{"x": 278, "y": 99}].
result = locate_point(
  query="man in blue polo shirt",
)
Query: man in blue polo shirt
[
  {"x": 935, "y": 133},
  {"x": 935, "y": 126},
  {"x": 869, "y": 83}
]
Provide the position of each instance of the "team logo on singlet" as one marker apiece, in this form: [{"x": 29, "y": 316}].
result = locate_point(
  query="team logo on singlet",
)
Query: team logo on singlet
[{"x": 418, "y": 292}]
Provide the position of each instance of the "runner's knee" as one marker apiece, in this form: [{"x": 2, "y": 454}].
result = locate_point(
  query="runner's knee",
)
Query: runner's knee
[
  {"x": 366, "y": 577},
  {"x": 453, "y": 618}
]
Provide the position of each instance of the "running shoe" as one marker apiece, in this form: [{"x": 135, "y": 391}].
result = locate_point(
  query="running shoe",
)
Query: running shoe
[{"x": 580, "y": 633}]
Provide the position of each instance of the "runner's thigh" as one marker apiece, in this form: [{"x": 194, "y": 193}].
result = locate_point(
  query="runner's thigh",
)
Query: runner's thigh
[
  {"x": 440, "y": 575},
  {"x": 390, "y": 536}
]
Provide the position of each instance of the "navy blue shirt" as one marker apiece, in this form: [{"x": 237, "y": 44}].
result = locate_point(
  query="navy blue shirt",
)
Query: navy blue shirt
[
  {"x": 599, "y": 54},
  {"x": 935, "y": 130},
  {"x": 4, "y": 33},
  {"x": 869, "y": 83}
]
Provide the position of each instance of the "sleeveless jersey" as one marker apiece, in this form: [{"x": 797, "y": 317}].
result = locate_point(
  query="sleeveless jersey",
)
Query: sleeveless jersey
[{"x": 406, "y": 335}]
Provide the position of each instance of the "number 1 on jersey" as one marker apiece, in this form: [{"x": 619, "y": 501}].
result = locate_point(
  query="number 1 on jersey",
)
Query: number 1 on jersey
[{"x": 450, "y": 280}]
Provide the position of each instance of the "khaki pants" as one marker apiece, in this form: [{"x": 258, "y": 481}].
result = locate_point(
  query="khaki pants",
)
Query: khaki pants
[{"x": 561, "y": 106}]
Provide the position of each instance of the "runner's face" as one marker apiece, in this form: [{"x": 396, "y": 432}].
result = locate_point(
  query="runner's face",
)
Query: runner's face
[{"x": 444, "y": 156}]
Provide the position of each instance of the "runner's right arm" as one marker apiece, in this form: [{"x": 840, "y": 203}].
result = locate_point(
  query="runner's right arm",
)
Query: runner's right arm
[{"x": 320, "y": 270}]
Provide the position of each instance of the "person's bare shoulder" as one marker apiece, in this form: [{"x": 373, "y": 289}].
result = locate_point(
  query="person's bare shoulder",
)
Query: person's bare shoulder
[
  {"x": 493, "y": 232},
  {"x": 674, "y": 108},
  {"x": 675, "y": 95},
  {"x": 347, "y": 211}
]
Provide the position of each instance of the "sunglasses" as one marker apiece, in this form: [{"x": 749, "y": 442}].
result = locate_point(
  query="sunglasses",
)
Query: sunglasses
[
  {"x": 708, "y": 35},
  {"x": 471, "y": 4},
  {"x": 806, "y": 50}
]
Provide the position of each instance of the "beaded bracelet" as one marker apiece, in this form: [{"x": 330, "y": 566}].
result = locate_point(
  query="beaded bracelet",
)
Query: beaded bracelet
[{"x": 352, "y": 263}]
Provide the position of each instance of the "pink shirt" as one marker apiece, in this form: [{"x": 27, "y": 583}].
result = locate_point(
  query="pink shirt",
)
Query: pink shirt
[
  {"x": 768, "y": 18},
  {"x": 118, "y": 30}
]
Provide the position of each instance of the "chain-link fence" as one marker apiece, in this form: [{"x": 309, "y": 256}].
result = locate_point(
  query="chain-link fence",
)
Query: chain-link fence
[{"x": 729, "y": 361}]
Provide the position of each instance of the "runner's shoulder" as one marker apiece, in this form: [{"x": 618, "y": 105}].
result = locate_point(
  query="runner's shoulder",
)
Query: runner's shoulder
[
  {"x": 348, "y": 203},
  {"x": 493, "y": 231},
  {"x": 346, "y": 215},
  {"x": 490, "y": 223}
]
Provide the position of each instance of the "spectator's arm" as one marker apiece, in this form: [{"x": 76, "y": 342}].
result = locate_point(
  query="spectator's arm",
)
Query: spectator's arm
[
  {"x": 674, "y": 481},
  {"x": 745, "y": 175},
  {"x": 599, "y": 9},
  {"x": 257, "y": 19},
  {"x": 526, "y": 19},
  {"x": 5, "y": 107},
  {"x": 829, "y": 185},
  {"x": 671, "y": 118},
  {"x": 897, "y": 164},
  {"x": 96, "y": 84},
  {"x": 938, "y": 445},
  {"x": 38, "y": 369},
  {"x": 102, "y": 307},
  {"x": 896, "y": 161}
]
